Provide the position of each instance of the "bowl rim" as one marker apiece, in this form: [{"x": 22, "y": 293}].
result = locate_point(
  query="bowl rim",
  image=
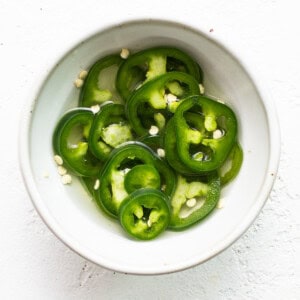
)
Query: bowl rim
[{"x": 41, "y": 208}]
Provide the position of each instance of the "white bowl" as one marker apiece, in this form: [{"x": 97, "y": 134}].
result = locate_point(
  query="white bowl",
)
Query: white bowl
[{"x": 74, "y": 217}]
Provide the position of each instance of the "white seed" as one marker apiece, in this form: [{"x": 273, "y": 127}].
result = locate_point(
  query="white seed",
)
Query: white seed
[
  {"x": 191, "y": 202},
  {"x": 149, "y": 223},
  {"x": 220, "y": 204},
  {"x": 201, "y": 88},
  {"x": 95, "y": 108},
  {"x": 124, "y": 53},
  {"x": 78, "y": 83},
  {"x": 126, "y": 170},
  {"x": 161, "y": 152},
  {"x": 97, "y": 184},
  {"x": 82, "y": 75},
  {"x": 61, "y": 170},
  {"x": 153, "y": 130},
  {"x": 163, "y": 187},
  {"x": 170, "y": 98},
  {"x": 45, "y": 174},
  {"x": 217, "y": 134},
  {"x": 59, "y": 161},
  {"x": 66, "y": 179}
]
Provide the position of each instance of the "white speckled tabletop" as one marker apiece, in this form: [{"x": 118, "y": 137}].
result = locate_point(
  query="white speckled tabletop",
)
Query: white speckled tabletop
[{"x": 263, "y": 264}]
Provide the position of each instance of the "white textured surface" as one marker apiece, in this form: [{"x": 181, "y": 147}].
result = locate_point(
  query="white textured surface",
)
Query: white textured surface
[{"x": 263, "y": 264}]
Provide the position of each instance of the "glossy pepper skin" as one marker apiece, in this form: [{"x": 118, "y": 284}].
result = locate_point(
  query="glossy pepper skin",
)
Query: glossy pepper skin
[
  {"x": 70, "y": 141},
  {"x": 121, "y": 162},
  {"x": 170, "y": 142},
  {"x": 149, "y": 101},
  {"x": 204, "y": 191},
  {"x": 147, "y": 64},
  {"x": 145, "y": 214},
  {"x": 209, "y": 152},
  {"x": 109, "y": 129},
  {"x": 91, "y": 94},
  {"x": 232, "y": 165}
]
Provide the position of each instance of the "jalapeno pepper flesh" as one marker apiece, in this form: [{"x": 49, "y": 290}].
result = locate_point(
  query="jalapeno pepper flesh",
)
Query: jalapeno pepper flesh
[
  {"x": 232, "y": 165},
  {"x": 145, "y": 213},
  {"x": 152, "y": 97},
  {"x": 142, "y": 176},
  {"x": 145, "y": 65},
  {"x": 110, "y": 128},
  {"x": 121, "y": 161},
  {"x": 209, "y": 151},
  {"x": 193, "y": 200},
  {"x": 96, "y": 88},
  {"x": 70, "y": 141}
]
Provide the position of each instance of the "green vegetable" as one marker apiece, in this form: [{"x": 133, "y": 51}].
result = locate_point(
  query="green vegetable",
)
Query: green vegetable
[
  {"x": 110, "y": 129},
  {"x": 145, "y": 214},
  {"x": 145, "y": 65},
  {"x": 70, "y": 141},
  {"x": 132, "y": 159},
  {"x": 97, "y": 88},
  {"x": 198, "y": 149},
  {"x": 156, "y": 153},
  {"x": 193, "y": 200},
  {"x": 151, "y": 101},
  {"x": 231, "y": 167}
]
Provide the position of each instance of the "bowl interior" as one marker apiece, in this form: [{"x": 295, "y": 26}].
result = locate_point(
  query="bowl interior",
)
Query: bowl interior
[{"x": 75, "y": 218}]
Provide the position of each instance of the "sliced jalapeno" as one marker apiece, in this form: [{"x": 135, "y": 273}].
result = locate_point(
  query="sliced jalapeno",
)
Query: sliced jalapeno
[
  {"x": 205, "y": 152},
  {"x": 193, "y": 200},
  {"x": 70, "y": 141},
  {"x": 145, "y": 214},
  {"x": 231, "y": 167},
  {"x": 110, "y": 128},
  {"x": 99, "y": 86},
  {"x": 146, "y": 65},
  {"x": 151, "y": 104},
  {"x": 123, "y": 161}
]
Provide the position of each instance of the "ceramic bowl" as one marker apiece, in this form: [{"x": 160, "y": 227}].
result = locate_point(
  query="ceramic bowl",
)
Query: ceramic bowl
[{"x": 72, "y": 215}]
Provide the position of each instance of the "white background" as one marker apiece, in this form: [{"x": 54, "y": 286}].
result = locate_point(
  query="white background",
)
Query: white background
[{"x": 263, "y": 264}]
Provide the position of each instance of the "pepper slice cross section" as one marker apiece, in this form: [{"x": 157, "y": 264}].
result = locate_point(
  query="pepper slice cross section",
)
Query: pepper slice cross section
[
  {"x": 145, "y": 213},
  {"x": 110, "y": 129},
  {"x": 124, "y": 160},
  {"x": 99, "y": 85},
  {"x": 193, "y": 200},
  {"x": 211, "y": 148},
  {"x": 70, "y": 141},
  {"x": 151, "y": 103},
  {"x": 145, "y": 65}
]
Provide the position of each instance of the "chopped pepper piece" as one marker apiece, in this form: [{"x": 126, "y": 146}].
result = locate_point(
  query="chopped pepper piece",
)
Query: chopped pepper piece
[
  {"x": 193, "y": 200},
  {"x": 70, "y": 141},
  {"x": 232, "y": 165},
  {"x": 147, "y": 64},
  {"x": 114, "y": 187},
  {"x": 199, "y": 151},
  {"x": 145, "y": 213},
  {"x": 150, "y": 100},
  {"x": 99, "y": 85},
  {"x": 170, "y": 142},
  {"x": 110, "y": 129}
]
